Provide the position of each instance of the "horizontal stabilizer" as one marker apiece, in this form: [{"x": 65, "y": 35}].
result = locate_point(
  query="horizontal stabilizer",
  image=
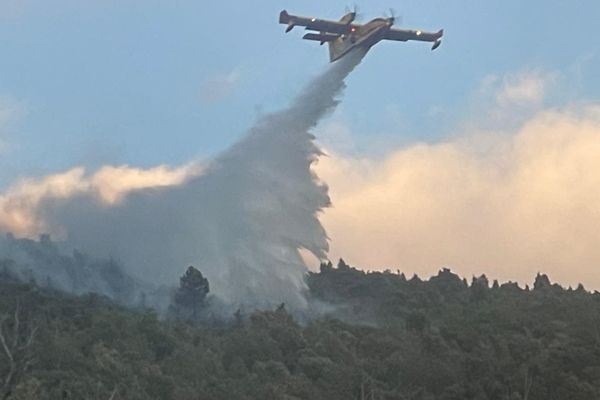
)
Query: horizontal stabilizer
[{"x": 321, "y": 37}]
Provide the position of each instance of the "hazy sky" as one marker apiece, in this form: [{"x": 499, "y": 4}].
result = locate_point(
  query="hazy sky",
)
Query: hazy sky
[
  {"x": 482, "y": 156},
  {"x": 149, "y": 82}
]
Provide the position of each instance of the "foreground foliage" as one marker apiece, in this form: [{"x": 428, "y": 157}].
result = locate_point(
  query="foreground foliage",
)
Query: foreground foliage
[{"x": 401, "y": 339}]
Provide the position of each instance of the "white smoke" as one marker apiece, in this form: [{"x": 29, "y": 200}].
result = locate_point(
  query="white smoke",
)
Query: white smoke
[{"x": 242, "y": 222}]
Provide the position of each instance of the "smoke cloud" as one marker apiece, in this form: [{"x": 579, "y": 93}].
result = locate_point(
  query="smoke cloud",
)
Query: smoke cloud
[
  {"x": 20, "y": 205},
  {"x": 243, "y": 221},
  {"x": 506, "y": 204}
]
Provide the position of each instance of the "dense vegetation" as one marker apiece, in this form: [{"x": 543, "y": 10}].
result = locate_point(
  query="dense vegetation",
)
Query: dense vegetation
[{"x": 386, "y": 337}]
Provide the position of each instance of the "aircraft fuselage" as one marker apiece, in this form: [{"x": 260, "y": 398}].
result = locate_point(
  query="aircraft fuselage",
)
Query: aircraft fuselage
[{"x": 366, "y": 36}]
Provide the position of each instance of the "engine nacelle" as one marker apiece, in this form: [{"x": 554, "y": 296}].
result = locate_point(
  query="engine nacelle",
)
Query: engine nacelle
[{"x": 348, "y": 18}]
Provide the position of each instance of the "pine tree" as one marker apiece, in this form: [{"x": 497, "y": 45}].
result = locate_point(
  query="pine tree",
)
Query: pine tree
[{"x": 191, "y": 294}]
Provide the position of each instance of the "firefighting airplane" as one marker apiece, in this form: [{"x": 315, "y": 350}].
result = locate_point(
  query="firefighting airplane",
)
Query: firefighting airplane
[{"x": 344, "y": 35}]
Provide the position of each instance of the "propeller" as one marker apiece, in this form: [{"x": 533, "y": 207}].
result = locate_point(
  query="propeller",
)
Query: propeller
[
  {"x": 393, "y": 18},
  {"x": 353, "y": 10}
]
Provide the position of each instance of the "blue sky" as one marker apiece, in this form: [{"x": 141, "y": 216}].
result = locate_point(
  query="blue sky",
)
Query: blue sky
[{"x": 110, "y": 82}]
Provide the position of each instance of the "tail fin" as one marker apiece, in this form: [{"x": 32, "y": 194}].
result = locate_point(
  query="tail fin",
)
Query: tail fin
[{"x": 284, "y": 17}]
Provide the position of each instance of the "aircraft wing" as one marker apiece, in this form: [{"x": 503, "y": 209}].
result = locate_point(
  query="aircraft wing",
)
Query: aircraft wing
[
  {"x": 314, "y": 24},
  {"x": 321, "y": 37},
  {"x": 405, "y": 35}
]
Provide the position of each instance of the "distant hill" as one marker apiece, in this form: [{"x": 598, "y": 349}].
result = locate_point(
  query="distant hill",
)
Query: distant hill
[{"x": 379, "y": 336}]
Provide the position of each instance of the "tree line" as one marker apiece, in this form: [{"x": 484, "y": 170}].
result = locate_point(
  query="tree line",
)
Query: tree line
[{"x": 378, "y": 335}]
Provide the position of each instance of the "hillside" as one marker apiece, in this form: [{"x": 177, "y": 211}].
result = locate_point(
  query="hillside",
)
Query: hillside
[{"x": 380, "y": 336}]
